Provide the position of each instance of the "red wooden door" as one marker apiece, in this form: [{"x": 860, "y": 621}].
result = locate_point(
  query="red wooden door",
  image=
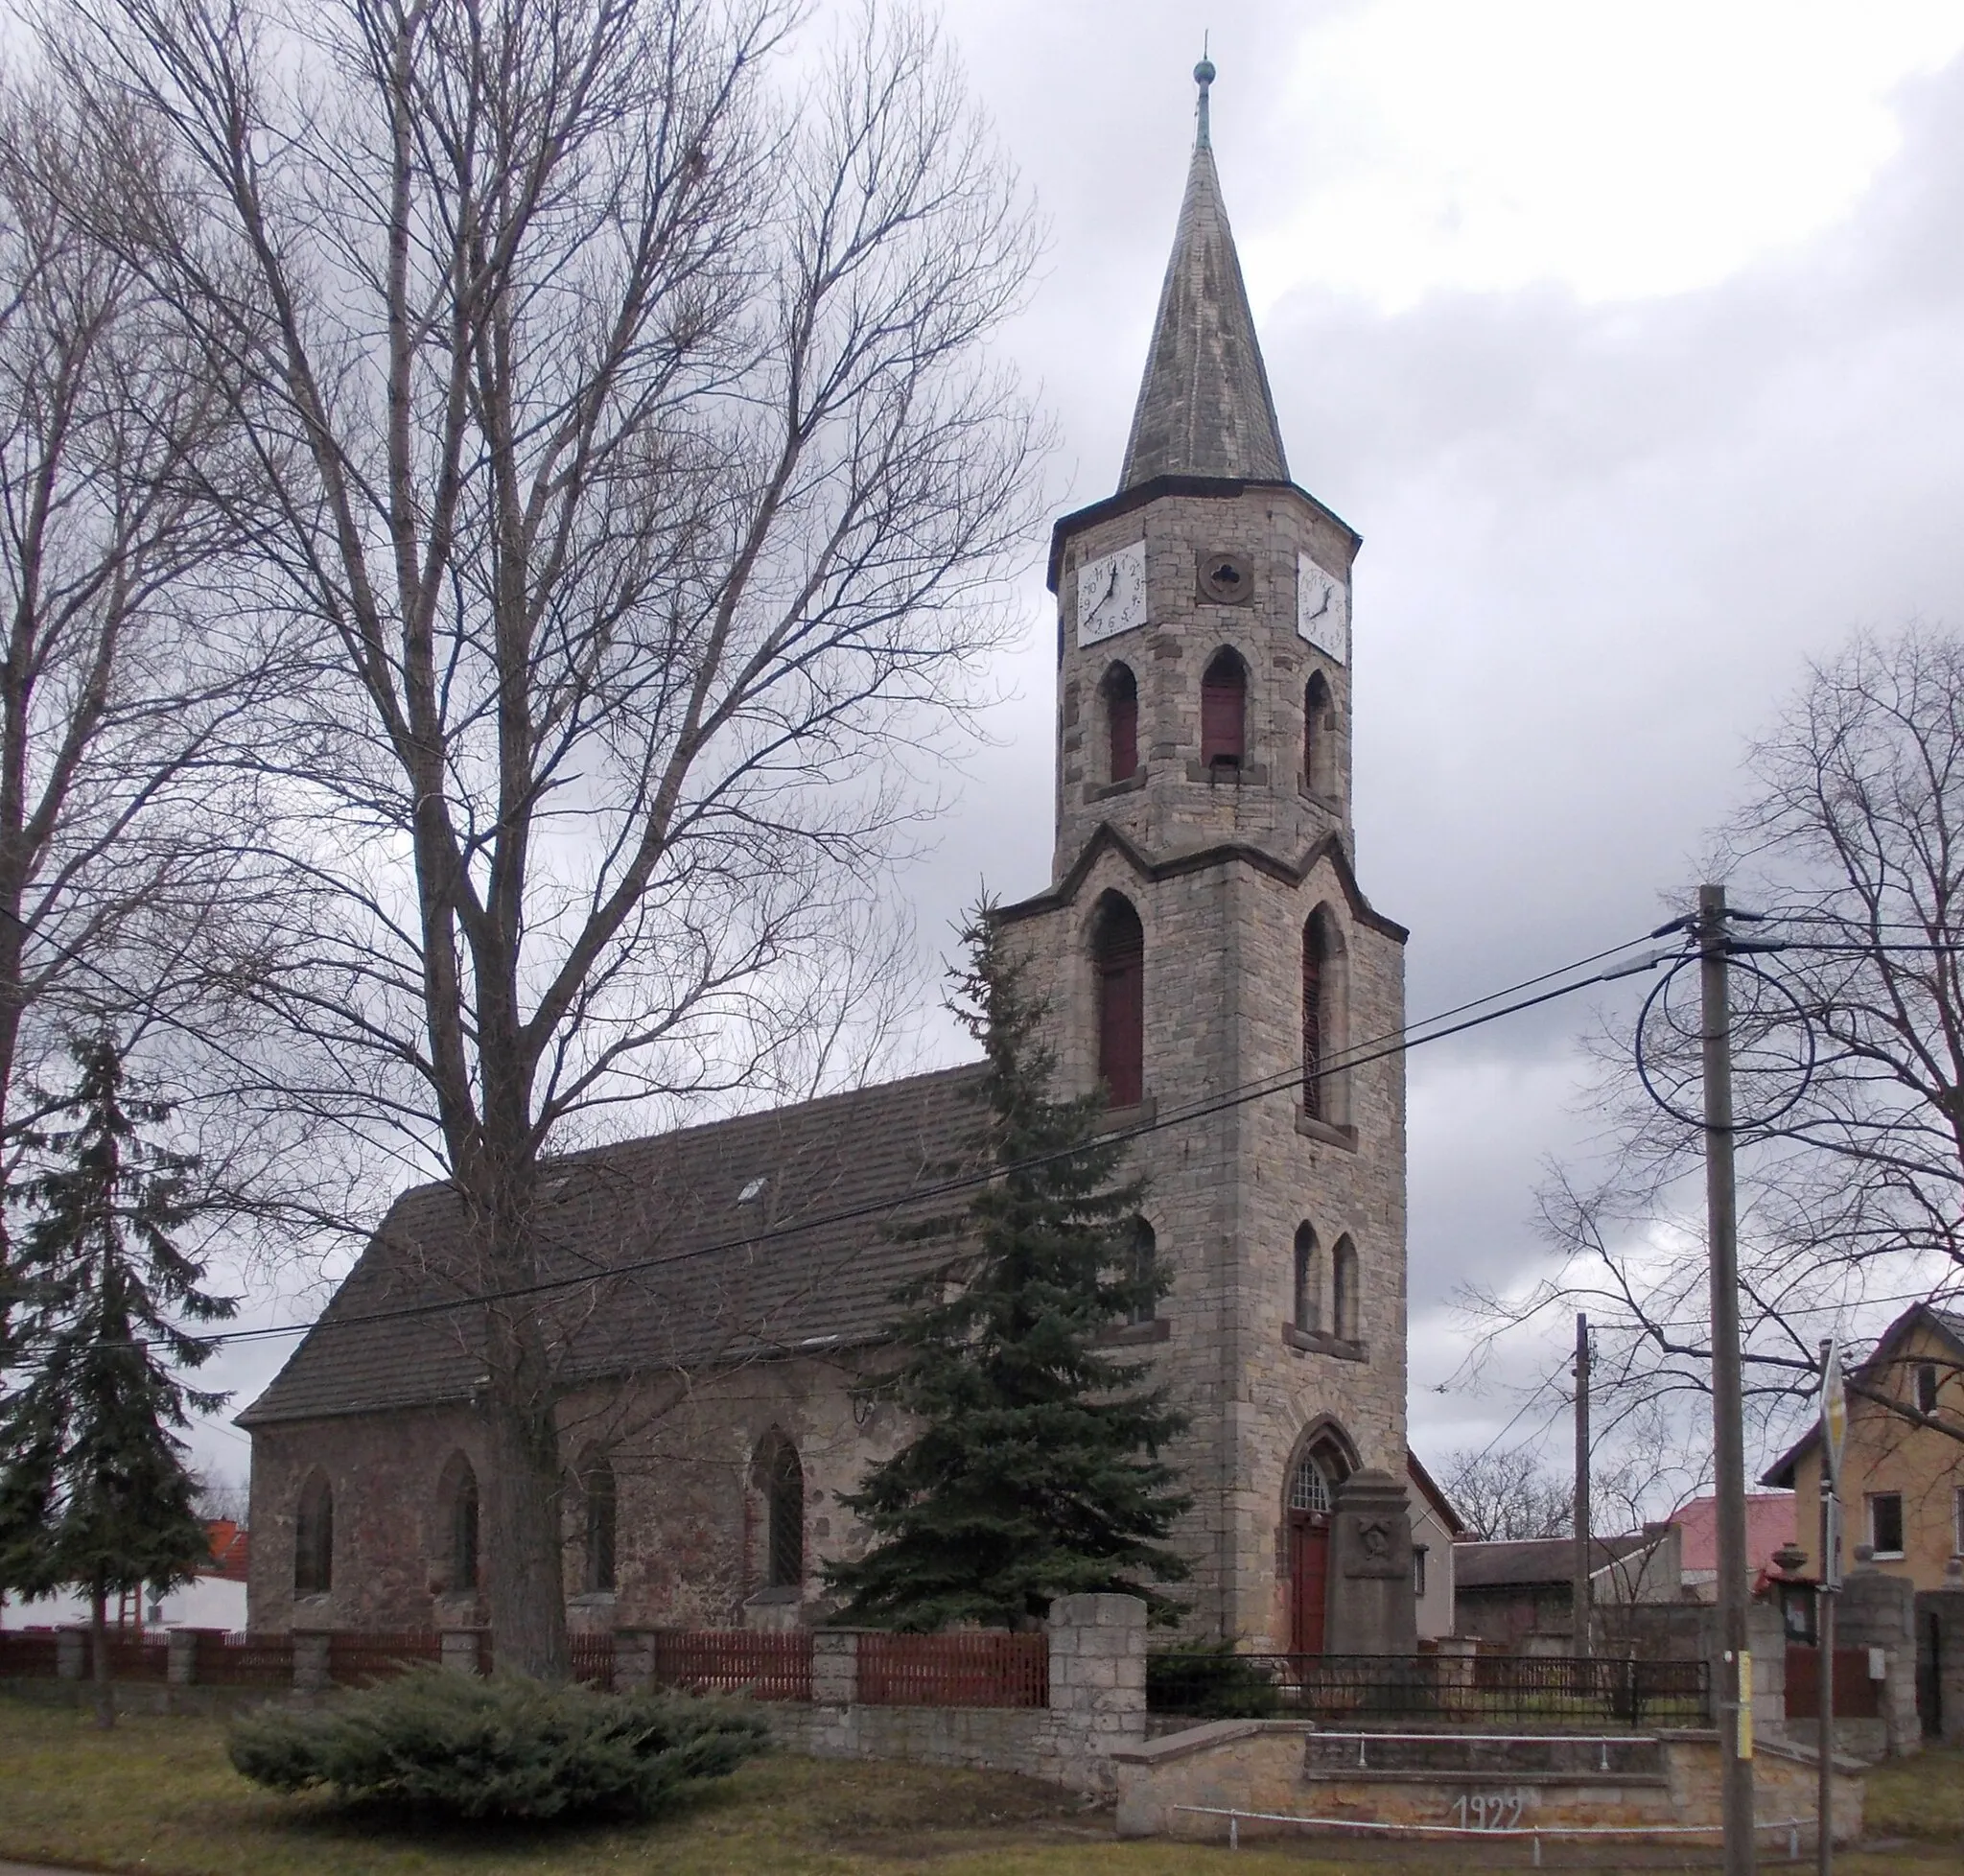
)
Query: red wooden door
[{"x": 1309, "y": 1574}]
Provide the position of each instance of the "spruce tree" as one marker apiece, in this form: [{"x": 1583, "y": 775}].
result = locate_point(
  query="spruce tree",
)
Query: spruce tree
[
  {"x": 93, "y": 1484},
  {"x": 1037, "y": 1470}
]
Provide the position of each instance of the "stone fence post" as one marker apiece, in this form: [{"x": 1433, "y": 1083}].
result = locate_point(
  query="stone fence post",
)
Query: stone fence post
[
  {"x": 634, "y": 1660},
  {"x": 1098, "y": 1671},
  {"x": 180, "y": 1668},
  {"x": 463, "y": 1650},
  {"x": 71, "y": 1653},
  {"x": 1766, "y": 1640},
  {"x": 311, "y": 1674},
  {"x": 835, "y": 1667},
  {"x": 1880, "y": 1613}
]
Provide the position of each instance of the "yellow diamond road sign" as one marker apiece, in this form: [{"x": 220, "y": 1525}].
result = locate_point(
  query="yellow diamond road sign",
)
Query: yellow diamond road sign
[{"x": 1834, "y": 1412}]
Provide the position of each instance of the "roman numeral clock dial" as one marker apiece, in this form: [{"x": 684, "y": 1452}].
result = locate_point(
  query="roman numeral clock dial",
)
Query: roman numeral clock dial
[{"x": 1112, "y": 593}]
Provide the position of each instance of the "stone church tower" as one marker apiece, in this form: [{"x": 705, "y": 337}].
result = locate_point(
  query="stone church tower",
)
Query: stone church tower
[{"x": 1210, "y": 959}]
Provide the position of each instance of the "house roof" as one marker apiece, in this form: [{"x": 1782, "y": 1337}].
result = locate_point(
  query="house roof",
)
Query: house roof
[
  {"x": 767, "y": 1235},
  {"x": 231, "y": 1550},
  {"x": 1428, "y": 1488},
  {"x": 1769, "y": 1525},
  {"x": 1482, "y": 1565},
  {"x": 1947, "y": 1325}
]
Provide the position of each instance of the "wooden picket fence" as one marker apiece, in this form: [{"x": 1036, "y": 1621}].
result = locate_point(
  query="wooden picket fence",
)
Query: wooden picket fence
[
  {"x": 965, "y": 1670},
  {"x": 767, "y": 1667}
]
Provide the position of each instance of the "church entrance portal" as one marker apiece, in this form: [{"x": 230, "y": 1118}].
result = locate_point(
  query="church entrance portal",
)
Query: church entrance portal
[{"x": 1311, "y": 1485}]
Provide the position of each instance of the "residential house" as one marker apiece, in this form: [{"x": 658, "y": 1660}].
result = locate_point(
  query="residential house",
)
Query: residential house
[
  {"x": 1519, "y": 1594},
  {"x": 1437, "y": 1529}
]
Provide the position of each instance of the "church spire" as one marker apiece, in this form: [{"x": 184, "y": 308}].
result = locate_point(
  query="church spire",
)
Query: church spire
[{"x": 1204, "y": 407}]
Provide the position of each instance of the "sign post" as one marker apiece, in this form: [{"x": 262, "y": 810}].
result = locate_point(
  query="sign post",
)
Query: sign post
[{"x": 1834, "y": 1438}]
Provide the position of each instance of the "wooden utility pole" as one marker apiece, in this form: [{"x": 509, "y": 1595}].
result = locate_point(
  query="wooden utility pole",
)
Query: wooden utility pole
[
  {"x": 1834, "y": 1430},
  {"x": 1580, "y": 1597},
  {"x": 1735, "y": 1689}
]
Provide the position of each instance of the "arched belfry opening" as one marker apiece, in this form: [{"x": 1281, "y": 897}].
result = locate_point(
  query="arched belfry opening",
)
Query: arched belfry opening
[
  {"x": 1121, "y": 690},
  {"x": 1325, "y": 1088},
  {"x": 1309, "y": 1281},
  {"x": 1224, "y": 713},
  {"x": 1118, "y": 960},
  {"x": 1319, "y": 737},
  {"x": 1323, "y": 1460}
]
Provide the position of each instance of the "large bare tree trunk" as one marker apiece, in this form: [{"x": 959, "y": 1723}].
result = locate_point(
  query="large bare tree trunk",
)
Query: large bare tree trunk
[{"x": 631, "y": 451}]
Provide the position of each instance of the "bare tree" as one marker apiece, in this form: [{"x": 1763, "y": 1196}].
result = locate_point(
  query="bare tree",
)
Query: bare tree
[
  {"x": 1852, "y": 844},
  {"x": 630, "y": 444},
  {"x": 1506, "y": 1495}
]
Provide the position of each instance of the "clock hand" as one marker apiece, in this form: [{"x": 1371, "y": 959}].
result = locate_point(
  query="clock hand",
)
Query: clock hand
[{"x": 1111, "y": 586}]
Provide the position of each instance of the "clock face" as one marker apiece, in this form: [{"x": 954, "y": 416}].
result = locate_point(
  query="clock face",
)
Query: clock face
[
  {"x": 1322, "y": 610},
  {"x": 1112, "y": 593}
]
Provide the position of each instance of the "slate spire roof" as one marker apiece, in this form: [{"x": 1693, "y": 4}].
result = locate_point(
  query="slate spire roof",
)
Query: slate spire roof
[{"x": 1204, "y": 407}]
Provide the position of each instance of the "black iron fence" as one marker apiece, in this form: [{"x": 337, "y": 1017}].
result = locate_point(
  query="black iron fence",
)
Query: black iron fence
[{"x": 1450, "y": 1690}]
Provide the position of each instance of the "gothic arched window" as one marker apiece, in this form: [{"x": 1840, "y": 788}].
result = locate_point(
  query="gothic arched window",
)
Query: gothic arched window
[
  {"x": 1319, "y": 737},
  {"x": 1121, "y": 723},
  {"x": 1118, "y": 954},
  {"x": 314, "y": 1538},
  {"x": 1309, "y": 1485},
  {"x": 1145, "y": 1258},
  {"x": 1324, "y": 1090},
  {"x": 781, "y": 1478},
  {"x": 1309, "y": 1281},
  {"x": 1224, "y": 711},
  {"x": 602, "y": 1523},
  {"x": 1344, "y": 1289},
  {"x": 460, "y": 1504}
]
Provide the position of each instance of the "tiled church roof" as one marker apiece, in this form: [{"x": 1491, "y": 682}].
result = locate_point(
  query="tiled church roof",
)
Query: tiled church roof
[
  {"x": 1204, "y": 407},
  {"x": 726, "y": 1278}
]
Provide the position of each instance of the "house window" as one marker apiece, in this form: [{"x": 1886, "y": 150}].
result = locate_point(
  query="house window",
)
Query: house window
[
  {"x": 313, "y": 1539},
  {"x": 1419, "y": 1571},
  {"x": 1319, "y": 769},
  {"x": 1886, "y": 1523},
  {"x": 602, "y": 1505},
  {"x": 1224, "y": 713},
  {"x": 463, "y": 1531},
  {"x": 1122, "y": 722},
  {"x": 1927, "y": 1388},
  {"x": 1309, "y": 1282},
  {"x": 1344, "y": 1289},
  {"x": 1145, "y": 1260},
  {"x": 782, "y": 1478},
  {"x": 1118, "y": 949}
]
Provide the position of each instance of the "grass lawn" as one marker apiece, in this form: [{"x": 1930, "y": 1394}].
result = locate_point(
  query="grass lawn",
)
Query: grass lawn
[{"x": 159, "y": 1796}]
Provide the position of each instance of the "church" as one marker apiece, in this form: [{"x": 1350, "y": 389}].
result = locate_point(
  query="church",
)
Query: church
[{"x": 1208, "y": 958}]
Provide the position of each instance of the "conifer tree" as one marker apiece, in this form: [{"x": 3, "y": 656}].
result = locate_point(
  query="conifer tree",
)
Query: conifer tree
[
  {"x": 1037, "y": 1469},
  {"x": 93, "y": 1484}
]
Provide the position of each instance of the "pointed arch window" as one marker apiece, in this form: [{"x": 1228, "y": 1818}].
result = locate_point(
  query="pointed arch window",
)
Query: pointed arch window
[
  {"x": 781, "y": 1478},
  {"x": 1310, "y": 1487},
  {"x": 1121, "y": 723},
  {"x": 1309, "y": 1281},
  {"x": 1118, "y": 954},
  {"x": 1145, "y": 1264},
  {"x": 1316, "y": 988},
  {"x": 463, "y": 1527},
  {"x": 1319, "y": 737},
  {"x": 602, "y": 1503},
  {"x": 314, "y": 1538},
  {"x": 1224, "y": 713},
  {"x": 1344, "y": 1285}
]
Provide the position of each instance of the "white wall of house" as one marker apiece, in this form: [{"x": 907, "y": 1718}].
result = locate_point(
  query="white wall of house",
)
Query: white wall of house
[
  {"x": 1433, "y": 1576},
  {"x": 204, "y": 1603}
]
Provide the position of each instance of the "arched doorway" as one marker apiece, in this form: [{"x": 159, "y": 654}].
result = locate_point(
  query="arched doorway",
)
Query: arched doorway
[{"x": 1320, "y": 1465}]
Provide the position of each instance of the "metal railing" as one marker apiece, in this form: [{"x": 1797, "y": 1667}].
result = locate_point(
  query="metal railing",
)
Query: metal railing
[{"x": 1436, "y": 1689}]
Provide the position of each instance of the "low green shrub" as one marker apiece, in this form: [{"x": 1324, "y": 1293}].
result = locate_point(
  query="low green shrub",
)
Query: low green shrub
[
  {"x": 1209, "y": 1681},
  {"x": 501, "y": 1748}
]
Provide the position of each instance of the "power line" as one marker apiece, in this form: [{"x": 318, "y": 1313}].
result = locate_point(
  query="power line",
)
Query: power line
[{"x": 1380, "y": 1048}]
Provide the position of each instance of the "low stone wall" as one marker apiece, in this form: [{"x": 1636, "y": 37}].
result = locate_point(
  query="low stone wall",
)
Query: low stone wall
[{"x": 1255, "y": 1765}]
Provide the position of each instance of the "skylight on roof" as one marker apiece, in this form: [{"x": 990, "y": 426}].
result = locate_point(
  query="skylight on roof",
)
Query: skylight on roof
[{"x": 752, "y": 1191}]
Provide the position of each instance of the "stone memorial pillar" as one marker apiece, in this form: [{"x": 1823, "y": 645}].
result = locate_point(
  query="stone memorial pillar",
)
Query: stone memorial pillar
[{"x": 1371, "y": 1607}]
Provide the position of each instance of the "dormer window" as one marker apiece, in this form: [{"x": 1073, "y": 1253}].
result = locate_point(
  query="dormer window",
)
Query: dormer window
[
  {"x": 1224, "y": 713},
  {"x": 1122, "y": 722}
]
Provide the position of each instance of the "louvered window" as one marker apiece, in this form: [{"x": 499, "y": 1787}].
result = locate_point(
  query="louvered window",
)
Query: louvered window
[
  {"x": 1315, "y": 970},
  {"x": 1120, "y": 959},
  {"x": 1224, "y": 709}
]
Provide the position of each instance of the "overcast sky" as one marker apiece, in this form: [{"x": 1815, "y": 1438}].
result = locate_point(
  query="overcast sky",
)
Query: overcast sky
[{"x": 1633, "y": 342}]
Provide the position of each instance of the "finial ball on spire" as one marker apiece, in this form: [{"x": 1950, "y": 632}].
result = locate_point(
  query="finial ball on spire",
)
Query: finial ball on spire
[{"x": 1204, "y": 72}]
